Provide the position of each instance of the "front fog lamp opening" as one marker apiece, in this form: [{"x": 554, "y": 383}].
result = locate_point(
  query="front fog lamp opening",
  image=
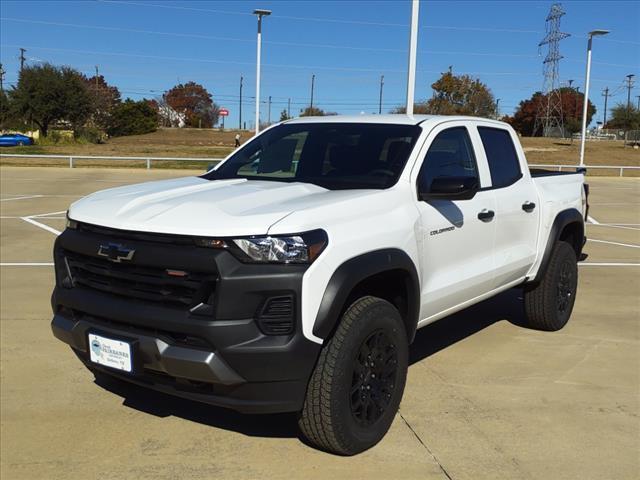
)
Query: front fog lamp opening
[{"x": 300, "y": 248}]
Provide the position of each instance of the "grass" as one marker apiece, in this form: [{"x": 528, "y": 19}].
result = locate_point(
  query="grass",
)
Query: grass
[{"x": 209, "y": 144}]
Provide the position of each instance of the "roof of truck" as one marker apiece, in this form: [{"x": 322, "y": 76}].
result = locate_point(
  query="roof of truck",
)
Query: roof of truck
[{"x": 397, "y": 119}]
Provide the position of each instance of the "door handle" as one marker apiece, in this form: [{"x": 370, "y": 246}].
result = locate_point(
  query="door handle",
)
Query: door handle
[
  {"x": 528, "y": 206},
  {"x": 486, "y": 215}
]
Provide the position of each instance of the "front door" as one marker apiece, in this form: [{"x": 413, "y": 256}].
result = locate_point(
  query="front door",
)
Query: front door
[{"x": 457, "y": 235}]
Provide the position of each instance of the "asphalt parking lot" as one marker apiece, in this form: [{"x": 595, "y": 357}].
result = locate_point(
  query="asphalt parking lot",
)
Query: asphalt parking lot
[{"x": 485, "y": 397}]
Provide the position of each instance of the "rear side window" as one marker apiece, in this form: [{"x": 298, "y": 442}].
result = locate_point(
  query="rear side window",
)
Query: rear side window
[
  {"x": 501, "y": 155},
  {"x": 450, "y": 155}
]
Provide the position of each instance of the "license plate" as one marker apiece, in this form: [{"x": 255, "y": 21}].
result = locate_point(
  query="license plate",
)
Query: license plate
[{"x": 109, "y": 352}]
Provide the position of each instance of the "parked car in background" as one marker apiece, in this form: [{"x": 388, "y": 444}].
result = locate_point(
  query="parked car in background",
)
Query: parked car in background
[{"x": 15, "y": 140}]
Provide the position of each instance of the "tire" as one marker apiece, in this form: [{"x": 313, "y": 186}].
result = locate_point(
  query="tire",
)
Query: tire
[
  {"x": 347, "y": 409},
  {"x": 548, "y": 305},
  {"x": 21, "y": 143}
]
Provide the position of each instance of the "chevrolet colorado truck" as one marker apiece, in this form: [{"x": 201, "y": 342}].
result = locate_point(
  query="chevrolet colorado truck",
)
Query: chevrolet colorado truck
[{"x": 292, "y": 276}]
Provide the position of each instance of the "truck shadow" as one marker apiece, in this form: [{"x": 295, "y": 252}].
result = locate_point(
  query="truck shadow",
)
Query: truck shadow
[{"x": 429, "y": 340}]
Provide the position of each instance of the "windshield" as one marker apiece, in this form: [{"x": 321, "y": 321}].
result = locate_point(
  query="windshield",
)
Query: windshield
[{"x": 333, "y": 155}]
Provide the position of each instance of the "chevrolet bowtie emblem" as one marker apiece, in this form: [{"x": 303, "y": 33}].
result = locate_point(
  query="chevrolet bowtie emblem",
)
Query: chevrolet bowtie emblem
[{"x": 116, "y": 252}]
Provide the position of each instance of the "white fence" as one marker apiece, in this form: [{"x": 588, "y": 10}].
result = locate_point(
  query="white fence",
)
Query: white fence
[
  {"x": 560, "y": 168},
  {"x": 149, "y": 159}
]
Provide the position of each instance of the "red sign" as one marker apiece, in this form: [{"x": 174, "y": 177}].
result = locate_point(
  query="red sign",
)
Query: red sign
[{"x": 223, "y": 112}]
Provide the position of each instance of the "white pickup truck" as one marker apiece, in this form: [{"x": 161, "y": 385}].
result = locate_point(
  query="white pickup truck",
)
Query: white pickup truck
[{"x": 293, "y": 276}]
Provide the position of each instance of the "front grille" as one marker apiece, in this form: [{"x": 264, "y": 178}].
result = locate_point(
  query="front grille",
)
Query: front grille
[{"x": 151, "y": 284}]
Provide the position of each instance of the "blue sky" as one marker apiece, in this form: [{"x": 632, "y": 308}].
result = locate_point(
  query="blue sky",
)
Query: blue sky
[{"x": 144, "y": 48}]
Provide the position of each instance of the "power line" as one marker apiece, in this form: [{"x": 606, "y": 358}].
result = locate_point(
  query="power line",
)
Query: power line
[{"x": 348, "y": 21}]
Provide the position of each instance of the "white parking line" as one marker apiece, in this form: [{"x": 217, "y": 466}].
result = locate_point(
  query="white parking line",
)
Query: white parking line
[
  {"x": 26, "y": 264},
  {"x": 602, "y": 264},
  {"x": 20, "y": 198},
  {"x": 592, "y": 220},
  {"x": 41, "y": 225},
  {"x": 613, "y": 225},
  {"x": 613, "y": 243}
]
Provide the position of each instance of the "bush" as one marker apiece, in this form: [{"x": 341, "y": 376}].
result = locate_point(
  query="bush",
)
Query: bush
[
  {"x": 90, "y": 135},
  {"x": 133, "y": 118}
]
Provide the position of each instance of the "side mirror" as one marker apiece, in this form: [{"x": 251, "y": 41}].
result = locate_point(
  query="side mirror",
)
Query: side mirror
[{"x": 450, "y": 188}]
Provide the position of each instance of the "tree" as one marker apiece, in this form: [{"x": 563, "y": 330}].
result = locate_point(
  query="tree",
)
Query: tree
[
  {"x": 572, "y": 101},
  {"x": 624, "y": 118},
  {"x": 46, "y": 94},
  {"x": 195, "y": 102},
  {"x": 284, "y": 115},
  {"x": 315, "y": 112},
  {"x": 456, "y": 95},
  {"x": 4, "y": 109},
  {"x": 461, "y": 95},
  {"x": 105, "y": 98},
  {"x": 133, "y": 118}
]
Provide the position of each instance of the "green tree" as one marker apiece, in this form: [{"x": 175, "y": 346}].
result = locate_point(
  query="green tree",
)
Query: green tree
[
  {"x": 133, "y": 118},
  {"x": 624, "y": 118},
  {"x": 46, "y": 94},
  {"x": 284, "y": 115},
  {"x": 456, "y": 95},
  {"x": 315, "y": 112},
  {"x": 4, "y": 109},
  {"x": 105, "y": 98},
  {"x": 461, "y": 95},
  {"x": 195, "y": 102}
]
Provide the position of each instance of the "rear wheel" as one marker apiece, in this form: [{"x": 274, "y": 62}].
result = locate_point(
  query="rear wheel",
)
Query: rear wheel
[
  {"x": 549, "y": 304},
  {"x": 356, "y": 387}
]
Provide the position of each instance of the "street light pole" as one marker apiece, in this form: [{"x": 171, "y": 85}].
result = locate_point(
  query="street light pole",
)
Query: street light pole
[
  {"x": 380, "y": 100},
  {"x": 585, "y": 102},
  {"x": 260, "y": 14},
  {"x": 413, "y": 46}
]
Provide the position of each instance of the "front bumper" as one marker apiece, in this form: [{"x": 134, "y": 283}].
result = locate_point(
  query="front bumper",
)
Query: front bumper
[{"x": 222, "y": 358}]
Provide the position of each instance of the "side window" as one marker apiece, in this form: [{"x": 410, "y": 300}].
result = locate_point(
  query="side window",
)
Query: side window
[
  {"x": 501, "y": 155},
  {"x": 450, "y": 155}
]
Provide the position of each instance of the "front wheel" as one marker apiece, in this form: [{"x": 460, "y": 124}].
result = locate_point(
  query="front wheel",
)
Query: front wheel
[
  {"x": 356, "y": 387},
  {"x": 548, "y": 305}
]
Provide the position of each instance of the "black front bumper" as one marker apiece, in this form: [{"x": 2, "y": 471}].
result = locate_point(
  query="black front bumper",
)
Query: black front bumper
[{"x": 220, "y": 355}]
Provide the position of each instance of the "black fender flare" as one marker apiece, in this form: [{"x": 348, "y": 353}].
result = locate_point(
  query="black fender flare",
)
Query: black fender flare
[
  {"x": 354, "y": 271},
  {"x": 564, "y": 218}
]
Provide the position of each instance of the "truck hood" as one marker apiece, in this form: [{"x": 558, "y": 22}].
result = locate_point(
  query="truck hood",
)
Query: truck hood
[{"x": 196, "y": 206}]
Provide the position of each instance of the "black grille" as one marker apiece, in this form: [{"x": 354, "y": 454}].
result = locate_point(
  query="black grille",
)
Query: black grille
[
  {"x": 152, "y": 284},
  {"x": 276, "y": 316}
]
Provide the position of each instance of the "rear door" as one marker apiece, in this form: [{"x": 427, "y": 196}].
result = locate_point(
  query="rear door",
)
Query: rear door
[
  {"x": 456, "y": 246},
  {"x": 517, "y": 209}
]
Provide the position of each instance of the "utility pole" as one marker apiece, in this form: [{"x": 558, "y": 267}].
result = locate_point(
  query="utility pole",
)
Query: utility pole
[
  {"x": 269, "y": 116},
  {"x": 313, "y": 81},
  {"x": 638, "y": 97},
  {"x": 606, "y": 96},
  {"x": 629, "y": 87},
  {"x": 1, "y": 79},
  {"x": 96, "y": 76},
  {"x": 380, "y": 101},
  {"x": 497, "y": 108},
  {"x": 289, "y": 108},
  {"x": 240, "y": 109},
  {"x": 22, "y": 58}
]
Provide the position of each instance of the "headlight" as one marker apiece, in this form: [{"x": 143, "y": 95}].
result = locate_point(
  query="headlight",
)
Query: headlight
[{"x": 299, "y": 248}]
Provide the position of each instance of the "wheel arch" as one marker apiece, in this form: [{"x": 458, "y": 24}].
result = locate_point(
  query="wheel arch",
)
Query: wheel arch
[
  {"x": 568, "y": 226},
  {"x": 388, "y": 273}
]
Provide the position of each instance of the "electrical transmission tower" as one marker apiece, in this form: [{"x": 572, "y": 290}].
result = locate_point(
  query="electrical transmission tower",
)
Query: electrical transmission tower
[{"x": 549, "y": 115}]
